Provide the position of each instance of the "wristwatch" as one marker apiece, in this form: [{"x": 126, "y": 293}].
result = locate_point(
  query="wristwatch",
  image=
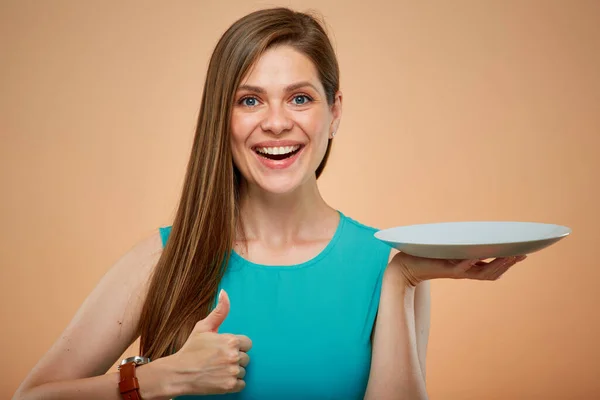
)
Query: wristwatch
[{"x": 128, "y": 385}]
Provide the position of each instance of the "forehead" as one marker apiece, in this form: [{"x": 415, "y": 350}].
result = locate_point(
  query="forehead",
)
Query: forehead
[{"x": 281, "y": 65}]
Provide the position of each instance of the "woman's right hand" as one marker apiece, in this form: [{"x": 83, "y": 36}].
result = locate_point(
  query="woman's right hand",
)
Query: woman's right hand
[
  {"x": 210, "y": 362},
  {"x": 418, "y": 269}
]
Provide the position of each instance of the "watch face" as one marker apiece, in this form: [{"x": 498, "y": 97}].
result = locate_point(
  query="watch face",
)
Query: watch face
[{"x": 136, "y": 359}]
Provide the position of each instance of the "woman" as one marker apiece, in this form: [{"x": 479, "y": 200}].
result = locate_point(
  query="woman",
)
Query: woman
[{"x": 304, "y": 290}]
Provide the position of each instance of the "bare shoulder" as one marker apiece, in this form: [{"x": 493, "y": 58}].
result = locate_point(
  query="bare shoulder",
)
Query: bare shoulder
[
  {"x": 127, "y": 280},
  {"x": 136, "y": 265},
  {"x": 393, "y": 252},
  {"x": 105, "y": 324}
]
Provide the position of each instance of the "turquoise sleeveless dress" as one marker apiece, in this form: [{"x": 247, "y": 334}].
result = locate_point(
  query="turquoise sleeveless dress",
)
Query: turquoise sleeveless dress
[{"x": 310, "y": 323}]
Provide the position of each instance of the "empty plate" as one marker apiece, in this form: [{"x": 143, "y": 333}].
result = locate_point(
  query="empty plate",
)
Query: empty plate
[{"x": 472, "y": 240}]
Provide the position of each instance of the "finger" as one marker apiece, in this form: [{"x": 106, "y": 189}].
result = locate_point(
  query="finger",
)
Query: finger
[
  {"x": 244, "y": 359},
  {"x": 213, "y": 321},
  {"x": 242, "y": 373},
  {"x": 245, "y": 344},
  {"x": 501, "y": 271},
  {"x": 484, "y": 272},
  {"x": 461, "y": 268},
  {"x": 495, "y": 268},
  {"x": 239, "y": 386}
]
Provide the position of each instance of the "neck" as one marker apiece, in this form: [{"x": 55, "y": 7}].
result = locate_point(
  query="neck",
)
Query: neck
[{"x": 278, "y": 219}]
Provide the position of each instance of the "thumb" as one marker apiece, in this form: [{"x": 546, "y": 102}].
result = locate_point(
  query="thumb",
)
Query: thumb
[{"x": 213, "y": 321}]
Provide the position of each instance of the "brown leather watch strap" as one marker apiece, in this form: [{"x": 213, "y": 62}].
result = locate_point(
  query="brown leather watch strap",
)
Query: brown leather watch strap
[{"x": 128, "y": 385}]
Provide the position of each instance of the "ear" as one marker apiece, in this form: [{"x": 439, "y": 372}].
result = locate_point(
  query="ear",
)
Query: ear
[{"x": 336, "y": 111}]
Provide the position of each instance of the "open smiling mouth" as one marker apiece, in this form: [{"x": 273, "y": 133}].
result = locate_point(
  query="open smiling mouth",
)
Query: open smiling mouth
[{"x": 278, "y": 153}]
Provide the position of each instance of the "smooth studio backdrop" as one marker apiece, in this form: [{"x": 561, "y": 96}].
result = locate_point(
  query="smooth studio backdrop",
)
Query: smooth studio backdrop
[{"x": 453, "y": 110}]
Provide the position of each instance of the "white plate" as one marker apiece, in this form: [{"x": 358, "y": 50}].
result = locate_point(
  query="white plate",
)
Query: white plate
[{"x": 471, "y": 240}]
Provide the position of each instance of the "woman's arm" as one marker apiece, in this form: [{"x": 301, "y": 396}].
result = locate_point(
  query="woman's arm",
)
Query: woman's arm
[
  {"x": 396, "y": 369},
  {"x": 422, "y": 317},
  {"x": 422, "y": 321},
  {"x": 102, "y": 329},
  {"x": 102, "y": 387},
  {"x": 402, "y": 325}
]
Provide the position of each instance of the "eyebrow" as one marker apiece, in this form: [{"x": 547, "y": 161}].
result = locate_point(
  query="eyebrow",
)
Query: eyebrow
[{"x": 289, "y": 88}]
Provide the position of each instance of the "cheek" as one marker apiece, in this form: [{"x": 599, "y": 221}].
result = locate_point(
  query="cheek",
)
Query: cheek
[
  {"x": 237, "y": 129},
  {"x": 242, "y": 126},
  {"x": 316, "y": 125},
  {"x": 237, "y": 140}
]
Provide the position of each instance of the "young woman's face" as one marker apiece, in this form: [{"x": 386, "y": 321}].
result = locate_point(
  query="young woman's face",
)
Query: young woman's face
[{"x": 281, "y": 121}]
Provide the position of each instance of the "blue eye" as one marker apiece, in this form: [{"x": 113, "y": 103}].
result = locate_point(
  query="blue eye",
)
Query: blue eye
[
  {"x": 249, "y": 101},
  {"x": 301, "y": 99}
]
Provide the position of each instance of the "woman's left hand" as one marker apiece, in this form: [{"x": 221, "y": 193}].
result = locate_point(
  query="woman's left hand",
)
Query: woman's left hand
[{"x": 418, "y": 269}]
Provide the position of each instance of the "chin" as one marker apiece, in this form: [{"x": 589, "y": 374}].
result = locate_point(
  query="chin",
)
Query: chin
[{"x": 280, "y": 185}]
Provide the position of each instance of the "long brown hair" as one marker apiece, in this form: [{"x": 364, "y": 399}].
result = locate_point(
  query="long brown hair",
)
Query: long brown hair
[{"x": 184, "y": 284}]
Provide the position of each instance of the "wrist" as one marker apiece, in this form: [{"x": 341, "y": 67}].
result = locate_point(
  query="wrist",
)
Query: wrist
[
  {"x": 400, "y": 262},
  {"x": 410, "y": 280},
  {"x": 156, "y": 381}
]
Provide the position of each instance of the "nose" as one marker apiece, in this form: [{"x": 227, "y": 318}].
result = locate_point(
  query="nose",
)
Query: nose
[{"x": 276, "y": 120}]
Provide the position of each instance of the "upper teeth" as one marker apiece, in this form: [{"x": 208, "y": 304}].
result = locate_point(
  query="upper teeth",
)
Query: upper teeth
[{"x": 278, "y": 150}]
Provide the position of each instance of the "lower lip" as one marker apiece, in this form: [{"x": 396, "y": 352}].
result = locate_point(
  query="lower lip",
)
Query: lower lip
[{"x": 278, "y": 164}]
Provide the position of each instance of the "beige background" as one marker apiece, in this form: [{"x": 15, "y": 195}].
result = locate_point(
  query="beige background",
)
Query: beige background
[{"x": 453, "y": 110}]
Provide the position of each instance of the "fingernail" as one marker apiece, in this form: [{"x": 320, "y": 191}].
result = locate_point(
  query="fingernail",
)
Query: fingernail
[{"x": 220, "y": 294}]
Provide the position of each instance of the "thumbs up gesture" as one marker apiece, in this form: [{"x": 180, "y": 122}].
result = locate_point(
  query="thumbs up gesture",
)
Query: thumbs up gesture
[{"x": 210, "y": 362}]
